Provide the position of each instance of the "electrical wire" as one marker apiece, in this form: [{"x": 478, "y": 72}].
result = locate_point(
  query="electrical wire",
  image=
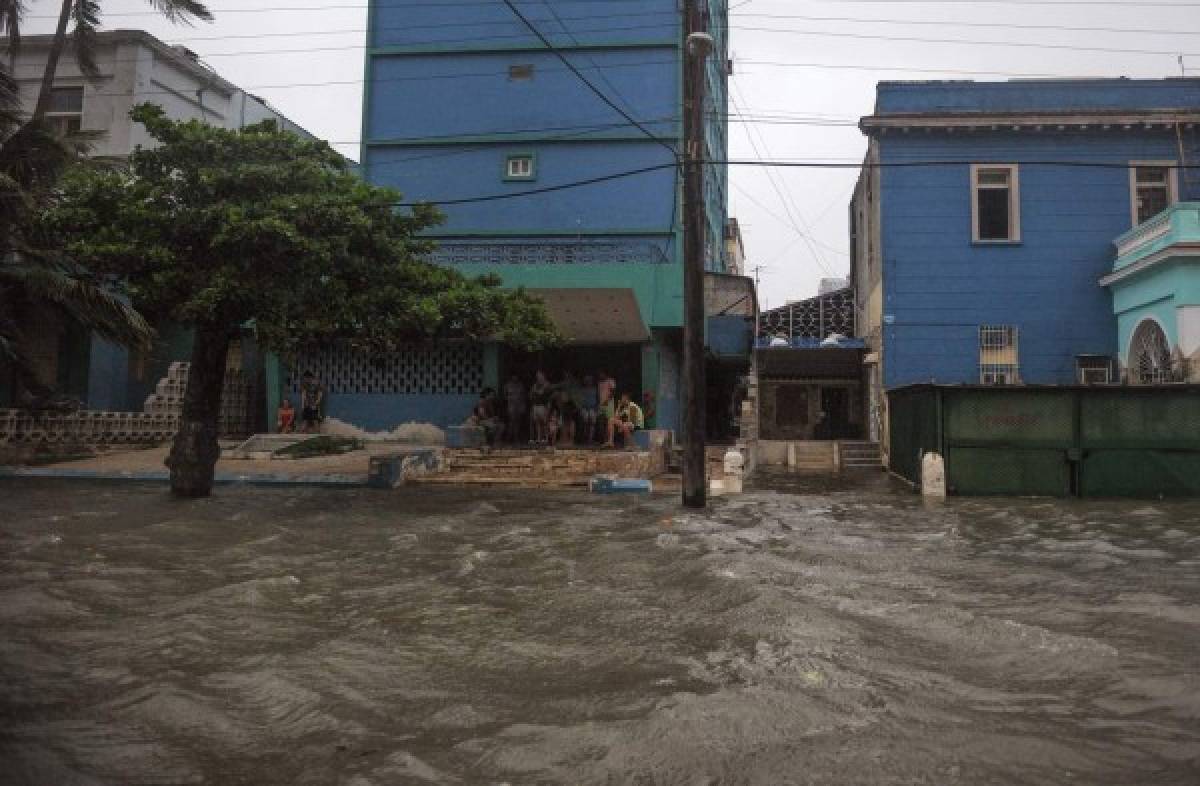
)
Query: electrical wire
[
  {"x": 599, "y": 93},
  {"x": 788, "y": 164}
]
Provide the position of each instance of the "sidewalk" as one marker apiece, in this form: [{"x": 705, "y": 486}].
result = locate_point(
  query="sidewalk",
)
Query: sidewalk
[{"x": 348, "y": 469}]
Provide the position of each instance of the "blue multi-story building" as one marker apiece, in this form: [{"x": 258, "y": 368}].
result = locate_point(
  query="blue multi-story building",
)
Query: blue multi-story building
[
  {"x": 986, "y": 216},
  {"x": 471, "y": 106}
]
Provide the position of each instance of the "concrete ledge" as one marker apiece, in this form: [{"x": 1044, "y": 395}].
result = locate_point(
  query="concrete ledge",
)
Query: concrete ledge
[{"x": 162, "y": 476}]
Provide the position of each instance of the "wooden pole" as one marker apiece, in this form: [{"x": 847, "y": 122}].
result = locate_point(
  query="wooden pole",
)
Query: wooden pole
[{"x": 695, "y": 482}]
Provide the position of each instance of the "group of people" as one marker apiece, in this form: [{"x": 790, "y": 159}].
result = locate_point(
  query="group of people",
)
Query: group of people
[{"x": 568, "y": 412}]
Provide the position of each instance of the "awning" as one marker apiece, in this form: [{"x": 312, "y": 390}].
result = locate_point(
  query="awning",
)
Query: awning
[{"x": 595, "y": 316}]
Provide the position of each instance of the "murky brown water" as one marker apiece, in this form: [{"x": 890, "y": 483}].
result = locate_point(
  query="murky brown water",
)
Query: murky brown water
[{"x": 355, "y": 637}]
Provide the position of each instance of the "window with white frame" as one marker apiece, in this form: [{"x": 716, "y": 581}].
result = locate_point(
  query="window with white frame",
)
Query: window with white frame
[
  {"x": 519, "y": 167},
  {"x": 1093, "y": 369},
  {"x": 65, "y": 115},
  {"x": 995, "y": 203},
  {"x": 1152, "y": 188},
  {"x": 999, "y": 360}
]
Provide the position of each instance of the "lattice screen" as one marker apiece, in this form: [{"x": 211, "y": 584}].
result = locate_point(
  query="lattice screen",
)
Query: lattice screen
[
  {"x": 435, "y": 369},
  {"x": 815, "y": 318}
]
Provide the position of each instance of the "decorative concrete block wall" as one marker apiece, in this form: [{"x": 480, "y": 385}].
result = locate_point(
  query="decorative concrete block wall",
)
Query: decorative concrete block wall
[
  {"x": 237, "y": 397},
  {"x": 21, "y": 427},
  {"x": 156, "y": 424}
]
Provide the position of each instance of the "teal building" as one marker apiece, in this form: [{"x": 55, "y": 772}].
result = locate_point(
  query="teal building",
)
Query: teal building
[
  {"x": 1155, "y": 285},
  {"x": 548, "y": 133}
]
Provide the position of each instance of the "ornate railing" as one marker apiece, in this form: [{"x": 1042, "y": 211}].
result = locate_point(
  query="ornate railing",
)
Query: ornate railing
[{"x": 549, "y": 254}]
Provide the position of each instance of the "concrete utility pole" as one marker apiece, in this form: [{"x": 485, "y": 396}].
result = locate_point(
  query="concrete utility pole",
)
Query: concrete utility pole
[{"x": 699, "y": 45}]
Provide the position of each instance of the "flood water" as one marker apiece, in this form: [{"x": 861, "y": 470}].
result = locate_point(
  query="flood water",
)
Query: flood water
[{"x": 795, "y": 635}]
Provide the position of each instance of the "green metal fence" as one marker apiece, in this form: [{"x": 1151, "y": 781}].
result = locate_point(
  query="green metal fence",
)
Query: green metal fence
[{"x": 1051, "y": 441}]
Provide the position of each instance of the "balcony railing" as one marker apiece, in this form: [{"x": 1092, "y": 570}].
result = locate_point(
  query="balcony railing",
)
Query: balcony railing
[
  {"x": 1178, "y": 224},
  {"x": 549, "y": 254}
]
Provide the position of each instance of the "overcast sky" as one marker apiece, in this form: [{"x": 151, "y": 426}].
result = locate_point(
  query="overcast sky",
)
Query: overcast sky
[{"x": 805, "y": 71}]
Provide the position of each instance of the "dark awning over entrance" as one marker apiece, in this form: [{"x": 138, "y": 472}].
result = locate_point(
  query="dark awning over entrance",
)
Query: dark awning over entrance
[{"x": 595, "y": 316}]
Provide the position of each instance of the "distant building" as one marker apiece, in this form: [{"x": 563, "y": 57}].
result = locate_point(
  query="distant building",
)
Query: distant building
[
  {"x": 828, "y": 285},
  {"x": 977, "y": 259},
  {"x": 135, "y": 67},
  {"x": 735, "y": 251}
]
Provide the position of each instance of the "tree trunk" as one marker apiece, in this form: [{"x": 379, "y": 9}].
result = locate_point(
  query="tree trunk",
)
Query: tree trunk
[
  {"x": 56, "y": 47},
  {"x": 194, "y": 453}
]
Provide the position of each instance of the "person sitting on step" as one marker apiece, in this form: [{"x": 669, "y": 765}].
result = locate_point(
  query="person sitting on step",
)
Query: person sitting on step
[{"x": 628, "y": 419}]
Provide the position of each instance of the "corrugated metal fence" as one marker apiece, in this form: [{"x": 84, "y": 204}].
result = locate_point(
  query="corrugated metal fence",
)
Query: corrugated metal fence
[{"x": 1051, "y": 441}]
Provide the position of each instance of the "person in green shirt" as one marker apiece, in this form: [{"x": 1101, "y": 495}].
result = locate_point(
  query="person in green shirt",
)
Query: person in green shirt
[{"x": 628, "y": 419}]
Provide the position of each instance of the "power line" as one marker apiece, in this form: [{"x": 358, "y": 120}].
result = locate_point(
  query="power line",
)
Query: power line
[
  {"x": 1079, "y": 3},
  {"x": 788, "y": 164},
  {"x": 954, "y": 23},
  {"x": 600, "y": 94},
  {"x": 780, "y": 191},
  {"x": 543, "y": 190},
  {"x": 768, "y": 30}
]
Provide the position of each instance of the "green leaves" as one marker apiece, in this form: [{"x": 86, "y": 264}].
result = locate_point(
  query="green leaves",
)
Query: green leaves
[{"x": 218, "y": 227}]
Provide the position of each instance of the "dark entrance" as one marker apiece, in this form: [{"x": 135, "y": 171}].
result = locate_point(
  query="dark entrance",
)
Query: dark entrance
[{"x": 835, "y": 405}]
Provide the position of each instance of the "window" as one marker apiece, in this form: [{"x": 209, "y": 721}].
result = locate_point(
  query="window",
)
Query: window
[
  {"x": 995, "y": 204},
  {"x": 1093, "y": 369},
  {"x": 1150, "y": 356},
  {"x": 520, "y": 72},
  {"x": 998, "y": 355},
  {"x": 66, "y": 110},
  {"x": 1152, "y": 188},
  {"x": 519, "y": 167}
]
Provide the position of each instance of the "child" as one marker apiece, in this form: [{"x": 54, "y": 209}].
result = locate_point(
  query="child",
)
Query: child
[{"x": 286, "y": 420}]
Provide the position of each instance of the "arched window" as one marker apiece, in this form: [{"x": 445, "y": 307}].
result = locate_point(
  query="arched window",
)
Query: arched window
[{"x": 1150, "y": 355}]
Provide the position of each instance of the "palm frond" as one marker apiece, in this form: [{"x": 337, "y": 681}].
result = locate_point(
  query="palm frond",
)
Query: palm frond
[
  {"x": 11, "y": 115},
  {"x": 86, "y": 15},
  {"x": 35, "y": 157},
  {"x": 11, "y": 12},
  {"x": 182, "y": 11},
  {"x": 93, "y": 305}
]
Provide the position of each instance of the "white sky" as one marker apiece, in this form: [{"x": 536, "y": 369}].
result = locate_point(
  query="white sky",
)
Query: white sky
[{"x": 830, "y": 77}]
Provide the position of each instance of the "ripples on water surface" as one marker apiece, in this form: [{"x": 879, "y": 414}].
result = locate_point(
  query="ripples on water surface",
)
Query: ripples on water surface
[{"x": 355, "y": 637}]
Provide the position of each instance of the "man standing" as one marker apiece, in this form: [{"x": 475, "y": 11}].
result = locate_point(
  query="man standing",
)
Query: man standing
[{"x": 312, "y": 399}]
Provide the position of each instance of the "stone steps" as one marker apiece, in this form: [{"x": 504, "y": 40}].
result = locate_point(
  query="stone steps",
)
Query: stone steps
[{"x": 861, "y": 455}]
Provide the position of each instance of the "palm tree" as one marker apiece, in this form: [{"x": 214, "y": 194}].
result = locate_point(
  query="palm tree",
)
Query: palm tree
[
  {"x": 34, "y": 276},
  {"x": 85, "y": 16}
]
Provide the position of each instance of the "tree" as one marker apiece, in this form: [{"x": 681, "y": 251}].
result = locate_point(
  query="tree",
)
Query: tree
[
  {"x": 217, "y": 228},
  {"x": 34, "y": 275},
  {"x": 83, "y": 17}
]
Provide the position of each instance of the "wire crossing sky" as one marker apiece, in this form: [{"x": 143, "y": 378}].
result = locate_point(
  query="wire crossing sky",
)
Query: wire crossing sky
[{"x": 804, "y": 70}]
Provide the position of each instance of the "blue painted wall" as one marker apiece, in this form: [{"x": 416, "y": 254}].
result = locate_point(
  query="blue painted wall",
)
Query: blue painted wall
[
  {"x": 939, "y": 287},
  {"x": 108, "y": 371},
  {"x": 386, "y": 412},
  {"x": 454, "y": 58}
]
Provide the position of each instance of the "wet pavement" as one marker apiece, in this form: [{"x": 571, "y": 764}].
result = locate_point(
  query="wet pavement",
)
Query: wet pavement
[{"x": 843, "y": 635}]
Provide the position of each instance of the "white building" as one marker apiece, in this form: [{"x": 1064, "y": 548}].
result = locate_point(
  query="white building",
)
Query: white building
[{"x": 135, "y": 67}]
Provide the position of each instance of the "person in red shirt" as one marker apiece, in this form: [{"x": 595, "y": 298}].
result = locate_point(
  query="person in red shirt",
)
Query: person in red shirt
[{"x": 286, "y": 421}]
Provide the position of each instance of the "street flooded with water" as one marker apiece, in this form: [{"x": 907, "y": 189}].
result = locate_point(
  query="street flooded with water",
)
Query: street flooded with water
[{"x": 799, "y": 634}]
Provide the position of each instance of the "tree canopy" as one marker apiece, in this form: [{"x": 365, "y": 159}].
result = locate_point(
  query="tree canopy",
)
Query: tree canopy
[{"x": 219, "y": 227}]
